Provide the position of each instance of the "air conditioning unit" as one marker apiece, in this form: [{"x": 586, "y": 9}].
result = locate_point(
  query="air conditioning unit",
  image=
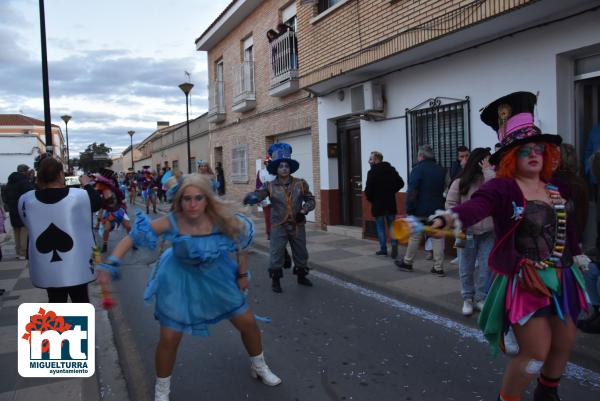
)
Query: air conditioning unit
[{"x": 366, "y": 98}]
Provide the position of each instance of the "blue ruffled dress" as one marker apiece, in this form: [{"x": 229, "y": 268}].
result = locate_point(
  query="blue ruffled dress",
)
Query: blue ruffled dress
[{"x": 194, "y": 282}]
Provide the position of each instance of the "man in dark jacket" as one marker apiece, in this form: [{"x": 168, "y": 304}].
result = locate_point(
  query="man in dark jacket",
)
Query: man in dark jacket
[
  {"x": 425, "y": 195},
  {"x": 18, "y": 184},
  {"x": 383, "y": 181}
]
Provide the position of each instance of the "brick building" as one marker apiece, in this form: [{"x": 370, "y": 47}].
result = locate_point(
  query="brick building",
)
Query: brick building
[
  {"x": 254, "y": 98},
  {"x": 391, "y": 75}
]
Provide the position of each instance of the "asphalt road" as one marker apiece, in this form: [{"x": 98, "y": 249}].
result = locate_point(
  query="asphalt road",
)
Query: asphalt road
[{"x": 335, "y": 341}]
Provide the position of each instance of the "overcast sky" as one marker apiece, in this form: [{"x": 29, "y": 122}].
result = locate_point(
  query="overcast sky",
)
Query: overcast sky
[{"x": 114, "y": 65}]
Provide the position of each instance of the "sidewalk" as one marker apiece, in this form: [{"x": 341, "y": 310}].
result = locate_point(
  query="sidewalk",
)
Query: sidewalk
[
  {"x": 355, "y": 260},
  {"x": 104, "y": 384}
]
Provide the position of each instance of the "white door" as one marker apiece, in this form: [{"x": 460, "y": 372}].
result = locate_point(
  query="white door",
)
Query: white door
[{"x": 302, "y": 152}]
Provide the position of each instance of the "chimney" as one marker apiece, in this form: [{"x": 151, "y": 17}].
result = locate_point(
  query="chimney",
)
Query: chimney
[{"x": 162, "y": 124}]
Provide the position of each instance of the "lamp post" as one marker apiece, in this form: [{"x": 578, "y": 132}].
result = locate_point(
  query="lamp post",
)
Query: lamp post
[
  {"x": 186, "y": 87},
  {"x": 131, "y": 150},
  {"x": 66, "y": 118}
]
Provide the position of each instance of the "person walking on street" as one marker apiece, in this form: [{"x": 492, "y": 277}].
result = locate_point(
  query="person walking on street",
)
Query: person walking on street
[
  {"x": 538, "y": 290},
  {"x": 291, "y": 200},
  {"x": 383, "y": 182},
  {"x": 480, "y": 237},
  {"x": 425, "y": 195},
  {"x": 200, "y": 280},
  {"x": 18, "y": 184},
  {"x": 61, "y": 241}
]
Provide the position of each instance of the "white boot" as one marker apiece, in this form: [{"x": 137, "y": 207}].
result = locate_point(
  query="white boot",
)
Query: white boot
[
  {"x": 162, "y": 388},
  {"x": 260, "y": 370}
]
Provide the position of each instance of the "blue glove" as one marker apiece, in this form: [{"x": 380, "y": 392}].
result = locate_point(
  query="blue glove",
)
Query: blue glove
[{"x": 112, "y": 267}]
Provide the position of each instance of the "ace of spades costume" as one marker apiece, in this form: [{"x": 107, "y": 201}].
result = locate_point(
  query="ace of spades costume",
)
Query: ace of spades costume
[{"x": 60, "y": 246}]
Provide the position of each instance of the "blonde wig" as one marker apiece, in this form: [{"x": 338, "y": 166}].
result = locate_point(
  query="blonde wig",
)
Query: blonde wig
[{"x": 221, "y": 212}]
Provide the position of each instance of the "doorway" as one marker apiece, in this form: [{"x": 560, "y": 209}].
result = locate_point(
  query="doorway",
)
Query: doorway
[
  {"x": 587, "y": 106},
  {"x": 350, "y": 172}
]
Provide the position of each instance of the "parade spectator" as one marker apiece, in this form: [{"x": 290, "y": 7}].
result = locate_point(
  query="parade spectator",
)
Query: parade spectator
[
  {"x": 591, "y": 323},
  {"x": 480, "y": 237},
  {"x": 291, "y": 200},
  {"x": 383, "y": 182},
  {"x": 424, "y": 196},
  {"x": 204, "y": 169},
  {"x": 196, "y": 282},
  {"x": 537, "y": 289},
  {"x": 2, "y": 224},
  {"x": 18, "y": 184},
  {"x": 220, "y": 178},
  {"x": 567, "y": 175},
  {"x": 462, "y": 154},
  {"x": 61, "y": 241}
]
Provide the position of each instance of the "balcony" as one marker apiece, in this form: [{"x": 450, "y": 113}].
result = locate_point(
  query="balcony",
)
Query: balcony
[
  {"x": 284, "y": 65},
  {"x": 216, "y": 102},
  {"x": 244, "y": 96}
]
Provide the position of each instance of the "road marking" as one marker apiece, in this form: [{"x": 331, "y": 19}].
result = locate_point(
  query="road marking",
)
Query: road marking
[{"x": 572, "y": 371}]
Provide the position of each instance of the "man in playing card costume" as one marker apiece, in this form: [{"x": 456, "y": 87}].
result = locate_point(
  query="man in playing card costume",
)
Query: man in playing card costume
[
  {"x": 61, "y": 242},
  {"x": 113, "y": 205}
]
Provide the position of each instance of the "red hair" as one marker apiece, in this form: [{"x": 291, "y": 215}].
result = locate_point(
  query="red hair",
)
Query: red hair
[{"x": 508, "y": 164}]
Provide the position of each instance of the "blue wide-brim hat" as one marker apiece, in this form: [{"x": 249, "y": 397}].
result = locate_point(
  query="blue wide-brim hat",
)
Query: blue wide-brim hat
[{"x": 281, "y": 152}]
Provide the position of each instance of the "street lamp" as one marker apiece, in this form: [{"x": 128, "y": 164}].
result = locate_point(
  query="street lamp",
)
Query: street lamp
[
  {"x": 131, "y": 150},
  {"x": 186, "y": 87},
  {"x": 66, "y": 118}
]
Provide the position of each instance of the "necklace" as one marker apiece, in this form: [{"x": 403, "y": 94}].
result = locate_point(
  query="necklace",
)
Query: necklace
[{"x": 558, "y": 203}]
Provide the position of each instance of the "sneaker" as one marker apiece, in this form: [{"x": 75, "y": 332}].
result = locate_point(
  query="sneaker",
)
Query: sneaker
[
  {"x": 394, "y": 254},
  {"x": 467, "y": 308},
  {"x": 381, "y": 253},
  {"x": 439, "y": 273},
  {"x": 454, "y": 261},
  {"x": 403, "y": 266},
  {"x": 479, "y": 305},
  {"x": 428, "y": 255},
  {"x": 21, "y": 257}
]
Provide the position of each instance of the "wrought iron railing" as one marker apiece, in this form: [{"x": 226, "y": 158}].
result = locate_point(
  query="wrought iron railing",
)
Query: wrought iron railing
[{"x": 284, "y": 58}]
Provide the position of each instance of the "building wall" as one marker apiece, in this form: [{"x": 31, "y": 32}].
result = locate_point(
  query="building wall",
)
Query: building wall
[
  {"x": 259, "y": 134},
  {"x": 15, "y": 150},
  {"x": 363, "y": 31},
  {"x": 230, "y": 50},
  {"x": 272, "y": 115},
  {"x": 539, "y": 60}
]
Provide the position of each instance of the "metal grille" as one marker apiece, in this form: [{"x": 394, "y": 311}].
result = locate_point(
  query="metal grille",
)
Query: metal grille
[{"x": 443, "y": 127}]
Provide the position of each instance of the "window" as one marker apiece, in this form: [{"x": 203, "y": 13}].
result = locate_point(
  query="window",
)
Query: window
[
  {"x": 443, "y": 127},
  {"x": 175, "y": 164},
  {"x": 288, "y": 16},
  {"x": 325, "y": 4},
  {"x": 239, "y": 164}
]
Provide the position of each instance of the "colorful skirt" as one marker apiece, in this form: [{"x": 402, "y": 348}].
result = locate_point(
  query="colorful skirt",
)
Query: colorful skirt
[{"x": 510, "y": 302}]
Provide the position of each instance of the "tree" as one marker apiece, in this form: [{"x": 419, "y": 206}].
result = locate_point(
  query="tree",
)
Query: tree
[{"x": 95, "y": 157}]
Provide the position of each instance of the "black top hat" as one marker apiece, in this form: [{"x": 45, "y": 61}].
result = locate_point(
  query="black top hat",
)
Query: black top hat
[{"x": 511, "y": 116}]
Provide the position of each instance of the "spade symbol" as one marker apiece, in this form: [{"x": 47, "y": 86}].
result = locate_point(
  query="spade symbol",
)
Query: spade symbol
[{"x": 53, "y": 239}]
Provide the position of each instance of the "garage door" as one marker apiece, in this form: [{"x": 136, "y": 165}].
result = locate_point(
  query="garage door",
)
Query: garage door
[{"x": 302, "y": 151}]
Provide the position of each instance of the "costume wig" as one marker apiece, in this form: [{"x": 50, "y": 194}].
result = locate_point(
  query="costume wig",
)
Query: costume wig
[{"x": 508, "y": 164}]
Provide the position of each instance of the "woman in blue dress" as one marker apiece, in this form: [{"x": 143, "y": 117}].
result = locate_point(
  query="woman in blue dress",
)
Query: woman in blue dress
[{"x": 201, "y": 279}]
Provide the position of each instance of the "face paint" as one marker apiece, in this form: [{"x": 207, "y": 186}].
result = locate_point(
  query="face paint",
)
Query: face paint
[{"x": 283, "y": 169}]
